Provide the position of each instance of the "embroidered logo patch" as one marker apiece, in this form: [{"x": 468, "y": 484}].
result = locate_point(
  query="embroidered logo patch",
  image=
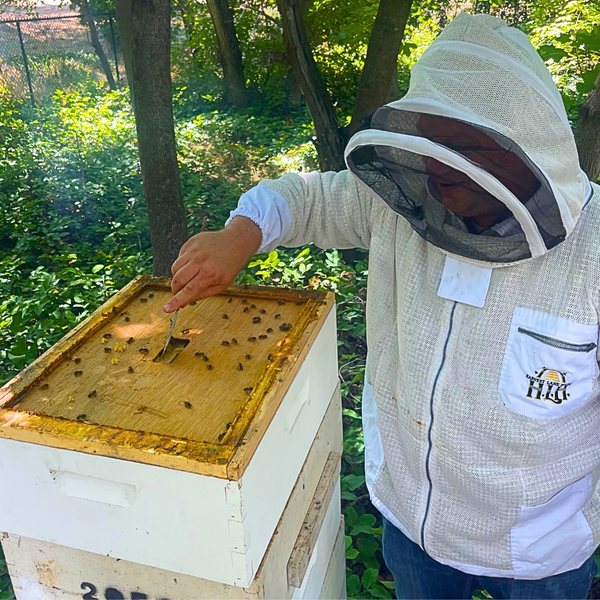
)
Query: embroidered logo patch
[{"x": 548, "y": 384}]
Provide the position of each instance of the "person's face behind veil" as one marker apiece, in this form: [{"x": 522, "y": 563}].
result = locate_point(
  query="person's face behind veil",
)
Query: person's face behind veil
[{"x": 455, "y": 190}]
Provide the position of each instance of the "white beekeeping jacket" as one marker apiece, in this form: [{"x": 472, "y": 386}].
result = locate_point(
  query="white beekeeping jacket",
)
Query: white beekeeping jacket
[{"x": 481, "y": 407}]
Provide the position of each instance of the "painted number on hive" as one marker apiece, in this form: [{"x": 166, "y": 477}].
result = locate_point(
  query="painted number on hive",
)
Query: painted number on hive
[{"x": 91, "y": 593}]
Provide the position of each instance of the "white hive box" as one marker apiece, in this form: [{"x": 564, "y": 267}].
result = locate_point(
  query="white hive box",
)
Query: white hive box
[
  {"x": 184, "y": 467},
  {"x": 308, "y": 543}
]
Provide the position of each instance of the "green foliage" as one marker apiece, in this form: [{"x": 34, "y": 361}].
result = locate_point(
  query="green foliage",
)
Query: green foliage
[
  {"x": 73, "y": 226},
  {"x": 567, "y": 36},
  {"x": 6, "y": 592}
]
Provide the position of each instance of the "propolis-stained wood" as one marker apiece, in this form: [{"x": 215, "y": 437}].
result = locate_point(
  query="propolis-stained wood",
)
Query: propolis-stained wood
[{"x": 100, "y": 391}]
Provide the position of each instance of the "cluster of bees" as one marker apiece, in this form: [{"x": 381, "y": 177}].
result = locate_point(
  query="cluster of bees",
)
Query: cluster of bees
[
  {"x": 252, "y": 339},
  {"x": 120, "y": 347}
]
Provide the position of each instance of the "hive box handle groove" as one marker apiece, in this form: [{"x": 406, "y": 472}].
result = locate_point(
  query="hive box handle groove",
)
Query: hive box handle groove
[{"x": 95, "y": 489}]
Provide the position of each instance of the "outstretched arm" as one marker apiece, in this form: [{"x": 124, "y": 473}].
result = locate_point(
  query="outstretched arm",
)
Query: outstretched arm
[{"x": 328, "y": 209}]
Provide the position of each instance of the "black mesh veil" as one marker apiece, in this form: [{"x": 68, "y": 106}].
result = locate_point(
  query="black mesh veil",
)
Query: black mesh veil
[{"x": 431, "y": 195}]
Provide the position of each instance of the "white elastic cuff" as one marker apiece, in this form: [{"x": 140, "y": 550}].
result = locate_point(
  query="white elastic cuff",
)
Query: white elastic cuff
[{"x": 269, "y": 211}]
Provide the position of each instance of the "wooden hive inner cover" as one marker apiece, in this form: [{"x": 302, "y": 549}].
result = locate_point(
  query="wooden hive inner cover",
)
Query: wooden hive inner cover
[{"x": 238, "y": 341}]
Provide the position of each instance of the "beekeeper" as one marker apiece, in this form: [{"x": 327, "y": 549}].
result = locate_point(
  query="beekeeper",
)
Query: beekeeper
[{"x": 480, "y": 409}]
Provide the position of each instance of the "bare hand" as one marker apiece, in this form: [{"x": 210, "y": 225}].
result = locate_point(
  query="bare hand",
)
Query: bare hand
[{"x": 208, "y": 262}]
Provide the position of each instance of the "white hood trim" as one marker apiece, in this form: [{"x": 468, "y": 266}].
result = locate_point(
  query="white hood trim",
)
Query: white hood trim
[
  {"x": 527, "y": 75},
  {"x": 426, "y": 147},
  {"x": 433, "y": 107}
]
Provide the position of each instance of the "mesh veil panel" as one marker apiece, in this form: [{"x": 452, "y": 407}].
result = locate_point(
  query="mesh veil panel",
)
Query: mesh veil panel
[
  {"x": 418, "y": 187},
  {"x": 400, "y": 178}
]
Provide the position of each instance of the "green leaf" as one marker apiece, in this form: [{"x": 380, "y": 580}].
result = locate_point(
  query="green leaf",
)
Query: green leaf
[
  {"x": 349, "y": 496},
  {"x": 352, "y": 553},
  {"x": 353, "y": 481},
  {"x": 378, "y": 591},
  {"x": 361, "y": 529},
  {"x": 588, "y": 82},
  {"x": 367, "y": 519},
  {"x": 369, "y": 577},
  {"x": 548, "y": 52},
  {"x": 590, "y": 40},
  {"x": 352, "y": 585},
  {"x": 351, "y": 413},
  {"x": 351, "y": 516},
  {"x": 348, "y": 542},
  {"x": 367, "y": 547},
  {"x": 370, "y": 562},
  {"x": 97, "y": 268}
]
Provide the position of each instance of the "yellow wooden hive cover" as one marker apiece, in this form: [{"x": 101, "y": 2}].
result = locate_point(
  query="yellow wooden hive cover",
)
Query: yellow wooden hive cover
[{"x": 100, "y": 391}]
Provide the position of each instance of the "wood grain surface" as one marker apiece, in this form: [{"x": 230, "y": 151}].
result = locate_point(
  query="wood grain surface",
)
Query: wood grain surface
[
  {"x": 100, "y": 383},
  {"x": 114, "y": 380}
]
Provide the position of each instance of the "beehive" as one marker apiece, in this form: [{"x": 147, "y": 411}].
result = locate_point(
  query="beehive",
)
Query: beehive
[
  {"x": 213, "y": 441},
  {"x": 293, "y": 566}
]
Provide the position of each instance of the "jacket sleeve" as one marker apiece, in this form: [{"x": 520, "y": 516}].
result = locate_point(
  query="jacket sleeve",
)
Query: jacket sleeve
[{"x": 327, "y": 209}]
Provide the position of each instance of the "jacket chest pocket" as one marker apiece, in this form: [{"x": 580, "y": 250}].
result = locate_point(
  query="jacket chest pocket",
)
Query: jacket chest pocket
[{"x": 549, "y": 364}]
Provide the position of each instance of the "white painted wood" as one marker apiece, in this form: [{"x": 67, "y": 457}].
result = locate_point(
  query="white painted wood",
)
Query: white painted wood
[
  {"x": 270, "y": 477},
  {"x": 176, "y": 521},
  {"x": 334, "y": 586},
  {"x": 38, "y": 567},
  {"x": 308, "y": 535},
  {"x": 317, "y": 567}
]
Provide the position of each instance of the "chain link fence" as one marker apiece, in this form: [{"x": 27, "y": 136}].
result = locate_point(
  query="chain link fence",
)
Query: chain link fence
[{"x": 41, "y": 55}]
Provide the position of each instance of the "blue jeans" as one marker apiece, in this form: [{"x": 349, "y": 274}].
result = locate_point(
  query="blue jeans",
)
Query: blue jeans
[{"x": 419, "y": 577}]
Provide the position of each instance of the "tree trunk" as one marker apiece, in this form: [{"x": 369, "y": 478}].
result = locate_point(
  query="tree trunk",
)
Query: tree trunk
[
  {"x": 329, "y": 142},
  {"x": 151, "y": 83},
  {"x": 123, "y": 13},
  {"x": 229, "y": 53},
  {"x": 587, "y": 133},
  {"x": 97, "y": 45},
  {"x": 187, "y": 17},
  {"x": 379, "y": 78}
]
